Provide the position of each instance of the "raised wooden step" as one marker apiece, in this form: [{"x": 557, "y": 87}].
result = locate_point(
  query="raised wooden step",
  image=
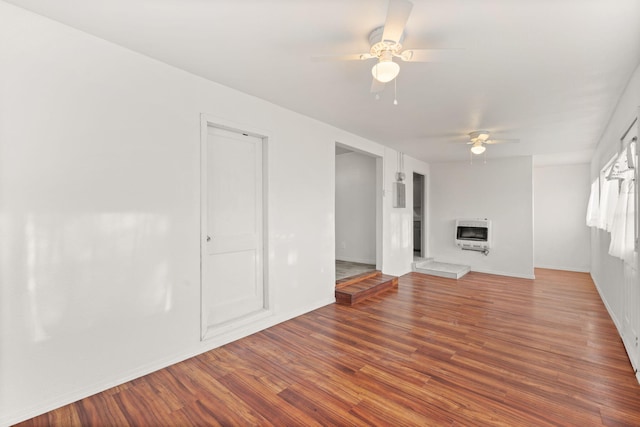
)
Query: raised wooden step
[{"x": 352, "y": 290}]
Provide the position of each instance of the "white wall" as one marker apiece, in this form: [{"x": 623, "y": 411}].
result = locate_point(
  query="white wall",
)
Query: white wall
[
  {"x": 100, "y": 211},
  {"x": 356, "y": 208},
  {"x": 398, "y": 224},
  {"x": 500, "y": 190},
  {"x": 562, "y": 239},
  {"x": 608, "y": 272}
]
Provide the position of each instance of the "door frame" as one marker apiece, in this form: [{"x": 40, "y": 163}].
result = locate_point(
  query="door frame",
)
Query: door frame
[
  {"x": 379, "y": 188},
  {"x": 423, "y": 214},
  {"x": 207, "y": 121}
]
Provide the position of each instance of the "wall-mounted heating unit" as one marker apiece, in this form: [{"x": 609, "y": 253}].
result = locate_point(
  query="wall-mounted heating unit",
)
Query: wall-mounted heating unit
[{"x": 474, "y": 234}]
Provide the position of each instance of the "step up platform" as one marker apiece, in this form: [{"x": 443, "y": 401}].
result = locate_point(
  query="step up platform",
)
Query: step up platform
[
  {"x": 441, "y": 269},
  {"x": 352, "y": 290}
]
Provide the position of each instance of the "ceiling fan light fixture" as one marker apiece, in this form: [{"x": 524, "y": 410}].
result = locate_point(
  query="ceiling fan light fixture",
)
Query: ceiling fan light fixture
[
  {"x": 385, "y": 70},
  {"x": 478, "y": 148}
]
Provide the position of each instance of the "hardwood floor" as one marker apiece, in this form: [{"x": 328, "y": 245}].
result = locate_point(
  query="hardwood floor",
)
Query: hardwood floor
[{"x": 480, "y": 351}]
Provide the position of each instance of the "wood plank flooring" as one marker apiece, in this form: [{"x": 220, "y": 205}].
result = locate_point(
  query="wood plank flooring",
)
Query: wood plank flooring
[{"x": 480, "y": 351}]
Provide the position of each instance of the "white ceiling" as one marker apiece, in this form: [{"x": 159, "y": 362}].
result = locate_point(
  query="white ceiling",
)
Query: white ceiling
[{"x": 548, "y": 72}]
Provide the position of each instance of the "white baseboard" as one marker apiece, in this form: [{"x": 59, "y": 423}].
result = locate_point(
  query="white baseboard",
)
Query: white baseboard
[
  {"x": 616, "y": 322},
  {"x": 608, "y": 307},
  {"x": 202, "y": 347},
  {"x": 556, "y": 267},
  {"x": 504, "y": 273}
]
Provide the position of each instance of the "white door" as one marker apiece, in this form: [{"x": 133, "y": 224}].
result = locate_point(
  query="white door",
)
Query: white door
[{"x": 232, "y": 255}]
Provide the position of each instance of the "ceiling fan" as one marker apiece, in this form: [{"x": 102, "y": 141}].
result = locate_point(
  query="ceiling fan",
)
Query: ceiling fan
[
  {"x": 479, "y": 138},
  {"x": 386, "y": 44}
]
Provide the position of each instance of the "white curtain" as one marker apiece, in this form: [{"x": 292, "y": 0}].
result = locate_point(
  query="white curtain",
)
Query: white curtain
[
  {"x": 612, "y": 203},
  {"x": 623, "y": 220},
  {"x": 629, "y": 253},
  {"x": 593, "y": 208},
  {"x": 619, "y": 224},
  {"x": 608, "y": 203}
]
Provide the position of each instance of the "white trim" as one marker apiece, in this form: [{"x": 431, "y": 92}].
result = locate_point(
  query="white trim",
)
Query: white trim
[
  {"x": 380, "y": 193},
  {"x": 564, "y": 268},
  {"x": 608, "y": 307},
  {"x": 379, "y": 212},
  {"x": 206, "y": 121},
  {"x": 504, "y": 273}
]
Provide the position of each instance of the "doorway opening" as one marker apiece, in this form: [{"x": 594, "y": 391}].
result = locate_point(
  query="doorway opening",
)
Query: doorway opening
[
  {"x": 419, "y": 220},
  {"x": 358, "y": 212}
]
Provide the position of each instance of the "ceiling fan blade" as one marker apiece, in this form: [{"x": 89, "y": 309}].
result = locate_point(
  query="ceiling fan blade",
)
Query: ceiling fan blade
[
  {"x": 347, "y": 57},
  {"x": 458, "y": 140},
  {"x": 397, "y": 16},
  {"x": 376, "y": 86},
  {"x": 432, "y": 55},
  {"x": 501, "y": 141}
]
